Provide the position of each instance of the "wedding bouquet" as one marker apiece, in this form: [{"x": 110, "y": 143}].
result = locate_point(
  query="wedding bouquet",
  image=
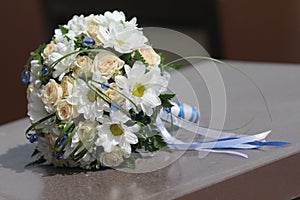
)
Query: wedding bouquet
[{"x": 97, "y": 93}]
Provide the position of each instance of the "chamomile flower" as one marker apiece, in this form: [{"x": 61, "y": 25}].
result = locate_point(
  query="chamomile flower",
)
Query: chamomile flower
[
  {"x": 117, "y": 33},
  {"x": 142, "y": 87},
  {"x": 113, "y": 132},
  {"x": 86, "y": 101}
]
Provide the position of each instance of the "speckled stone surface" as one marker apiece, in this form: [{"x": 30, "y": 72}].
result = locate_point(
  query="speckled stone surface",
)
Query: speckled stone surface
[{"x": 190, "y": 171}]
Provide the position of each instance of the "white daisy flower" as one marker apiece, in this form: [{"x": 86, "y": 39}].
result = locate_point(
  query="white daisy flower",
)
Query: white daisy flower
[
  {"x": 86, "y": 101},
  {"x": 142, "y": 87},
  {"x": 113, "y": 132},
  {"x": 117, "y": 33}
]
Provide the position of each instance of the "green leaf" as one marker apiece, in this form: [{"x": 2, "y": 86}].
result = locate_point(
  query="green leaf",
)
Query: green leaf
[
  {"x": 150, "y": 144},
  {"x": 165, "y": 100},
  {"x": 79, "y": 42},
  {"x": 138, "y": 57},
  {"x": 162, "y": 57},
  {"x": 37, "y": 54},
  {"x": 63, "y": 29},
  {"x": 167, "y": 96},
  {"x": 131, "y": 58},
  {"x": 140, "y": 117}
]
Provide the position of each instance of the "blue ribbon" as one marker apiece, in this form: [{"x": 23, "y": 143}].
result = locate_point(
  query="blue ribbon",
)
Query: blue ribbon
[
  {"x": 232, "y": 141},
  {"x": 181, "y": 112}
]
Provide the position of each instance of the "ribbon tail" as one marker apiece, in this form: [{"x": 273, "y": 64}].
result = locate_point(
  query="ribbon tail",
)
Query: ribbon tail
[
  {"x": 223, "y": 142},
  {"x": 225, "y": 152}
]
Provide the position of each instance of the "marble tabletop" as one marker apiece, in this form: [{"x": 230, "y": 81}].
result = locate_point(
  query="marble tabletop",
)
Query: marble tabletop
[{"x": 191, "y": 171}]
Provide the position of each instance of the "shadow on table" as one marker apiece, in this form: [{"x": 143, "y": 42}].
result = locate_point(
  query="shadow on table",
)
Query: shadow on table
[{"x": 18, "y": 157}]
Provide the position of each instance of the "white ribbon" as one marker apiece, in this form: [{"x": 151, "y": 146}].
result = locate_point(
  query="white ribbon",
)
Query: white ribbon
[{"x": 181, "y": 113}]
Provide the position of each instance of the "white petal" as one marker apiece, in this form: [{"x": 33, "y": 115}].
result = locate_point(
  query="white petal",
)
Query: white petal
[
  {"x": 108, "y": 146},
  {"x": 148, "y": 110},
  {"x": 138, "y": 70},
  {"x": 127, "y": 69},
  {"x": 118, "y": 116},
  {"x": 151, "y": 100},
  {"x": 116, "y": 139},
  {"x": 131, "y": 138},
  {"x": 135, "y": 128},
  {"x": 121, "y": 81},
  {"x": 126, "y": 147},
  {"x": 97, "y": 77}
]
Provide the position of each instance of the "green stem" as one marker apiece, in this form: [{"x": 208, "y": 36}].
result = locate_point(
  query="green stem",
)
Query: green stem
[
  {"x": 121, "y": 95},
  {"x": 72, "y": 53},
  {"x": 69, "y": 126},
  {"x": 100, "y": 93},
  {"x": 81, "y": 143},
  {"x": 38, "y": 122},
  {"x": 70, "y": 136}
]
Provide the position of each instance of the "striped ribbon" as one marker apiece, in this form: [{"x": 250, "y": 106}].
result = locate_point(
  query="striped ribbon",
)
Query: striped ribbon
[{"x": 187, "y": 117}]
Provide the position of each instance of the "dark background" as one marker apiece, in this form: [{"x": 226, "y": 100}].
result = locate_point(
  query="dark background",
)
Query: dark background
[{"x": 265, "y": 31}]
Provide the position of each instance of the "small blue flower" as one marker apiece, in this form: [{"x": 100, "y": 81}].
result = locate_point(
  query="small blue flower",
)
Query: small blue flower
[
  {"x": 105, "y": 85},
  {"x": 45, "y": 70},
  {"x": 62, "y": 140},
  {"x": 25, "y": 76},
  {"x": 167, "y": 110},
  {"x": 141, "y": 113},
  {"x": 58, "y": 156},
  {"x": 133, "y": 116},
  {"x": 113, "y": 107},
  {"x": 32, "y": 138},
  {"x": 88, "y": 42}
]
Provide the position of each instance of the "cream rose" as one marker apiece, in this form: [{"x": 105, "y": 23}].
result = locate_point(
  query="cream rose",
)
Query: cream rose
[
  {"x": 149, "y": 55},
  {"x": 107, "y": 63},
  {"x": 93, "y": 32},
  {"x": 52, "y": 93},
  {"x": 67, "y": 84},
  {"x": 83, "y": 66},
  {"x": 66, "y": 111},
  {"x": 113, "y": 94},
  {"x": 113, "y": 158},
  {"x": 48, "y": 50},
  {"x": 86, "y": 131}
]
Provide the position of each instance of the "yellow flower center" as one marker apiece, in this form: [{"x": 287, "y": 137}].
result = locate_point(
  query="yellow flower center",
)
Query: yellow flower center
[
  {"x": 120, "y": 42},
  {"x": 92, "y": 96},
  {"x": 116, "y": 129},
  {"x": 138, "y": 90}
]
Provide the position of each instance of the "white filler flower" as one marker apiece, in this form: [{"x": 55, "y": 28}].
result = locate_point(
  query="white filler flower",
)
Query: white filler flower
[{"x": 117, "y": 33}]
